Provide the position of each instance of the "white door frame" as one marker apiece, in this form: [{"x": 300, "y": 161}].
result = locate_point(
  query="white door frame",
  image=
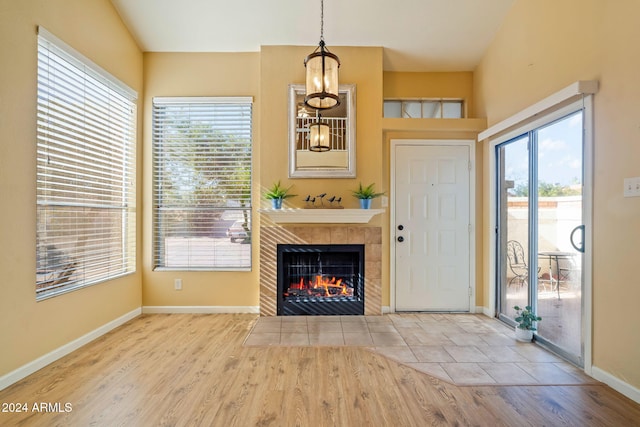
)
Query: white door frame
[{"x": 471, "y": 144}]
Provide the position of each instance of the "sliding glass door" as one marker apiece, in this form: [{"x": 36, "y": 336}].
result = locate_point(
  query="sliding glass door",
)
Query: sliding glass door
[
  {"x": 513, "y": 215},
  {"x": 541, "y": 229}
]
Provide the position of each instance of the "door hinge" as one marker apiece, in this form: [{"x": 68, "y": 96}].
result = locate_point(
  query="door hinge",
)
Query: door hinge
[
  {"x": 470, "y": 291},
  {"x": 470, "y": 165},
  {"x": 469, "y": 228}
]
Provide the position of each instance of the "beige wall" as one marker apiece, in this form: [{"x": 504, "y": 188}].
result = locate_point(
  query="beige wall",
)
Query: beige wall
[
  {"x": 30, "y": 329},
  {"x": 542, "y": 47},
  {"x": 198, "y": 74}
]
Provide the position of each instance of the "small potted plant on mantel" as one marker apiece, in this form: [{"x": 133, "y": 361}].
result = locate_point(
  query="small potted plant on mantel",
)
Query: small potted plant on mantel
[
  {"x": 365, "y": 195},
  {"x": 526, "y": 319},
  {"x": 277, "y": 193}
]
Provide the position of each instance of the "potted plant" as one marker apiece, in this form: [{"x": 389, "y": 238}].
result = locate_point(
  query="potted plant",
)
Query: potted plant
[
  {"x": 526, "y": 319},
  {"x": 365, "y": 194},
  {"x": 277, "y": 193}
]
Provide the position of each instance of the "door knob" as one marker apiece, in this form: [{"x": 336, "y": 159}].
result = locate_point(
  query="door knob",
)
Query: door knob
[{"x": 400, "y": 239}]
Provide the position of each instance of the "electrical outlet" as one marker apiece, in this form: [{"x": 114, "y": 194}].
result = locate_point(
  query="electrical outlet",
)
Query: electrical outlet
[
  {"x": 177, "y": 284},
  {"x": 384, "y": 201},
  {"x": 632, "y": 187}
]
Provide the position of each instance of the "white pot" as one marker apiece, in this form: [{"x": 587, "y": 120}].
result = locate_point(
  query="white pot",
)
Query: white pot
[{"x": 524, "y": 335}]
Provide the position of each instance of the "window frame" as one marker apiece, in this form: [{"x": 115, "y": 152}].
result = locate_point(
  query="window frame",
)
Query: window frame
[
  {"x": 422, "y": 101},
  {"x": 158, "y": 257},
  {"x": 85, "y": 169}
]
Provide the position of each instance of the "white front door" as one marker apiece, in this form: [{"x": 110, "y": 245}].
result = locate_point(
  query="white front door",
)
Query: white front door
[{"x": 432, "y": 227}]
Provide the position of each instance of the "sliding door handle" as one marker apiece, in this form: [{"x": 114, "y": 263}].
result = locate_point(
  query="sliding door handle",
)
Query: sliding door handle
[{"x": 580, "y": 246}]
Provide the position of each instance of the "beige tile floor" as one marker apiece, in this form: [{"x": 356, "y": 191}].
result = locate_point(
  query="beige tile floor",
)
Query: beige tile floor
[{"x": 463, "y": 349}]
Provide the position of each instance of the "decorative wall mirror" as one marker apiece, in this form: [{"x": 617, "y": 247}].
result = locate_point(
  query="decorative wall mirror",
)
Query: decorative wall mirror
[{"x": 338, "y": 157}]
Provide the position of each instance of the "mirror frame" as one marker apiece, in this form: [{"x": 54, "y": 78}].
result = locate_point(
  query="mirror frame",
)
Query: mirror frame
[{"x": 296, "y": 92}]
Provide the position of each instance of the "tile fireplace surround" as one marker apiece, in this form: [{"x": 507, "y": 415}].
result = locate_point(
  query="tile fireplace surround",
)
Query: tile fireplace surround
[{"x": 371, "y": 237}]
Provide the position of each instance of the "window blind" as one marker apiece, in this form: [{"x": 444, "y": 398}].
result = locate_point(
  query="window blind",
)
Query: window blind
[
  {"x": 202, "y": 183},
  {"x": 86, "y": 134}
]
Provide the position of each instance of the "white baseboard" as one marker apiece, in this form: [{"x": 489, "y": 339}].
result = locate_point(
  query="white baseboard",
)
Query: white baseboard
[
  {"x": 484, "y": 310},
  {"x": 199, "y": 309},
  {"x": 616, "y": 383},
  {"x": 386, "y": 309},
  {"x": 35, "y": 365}
]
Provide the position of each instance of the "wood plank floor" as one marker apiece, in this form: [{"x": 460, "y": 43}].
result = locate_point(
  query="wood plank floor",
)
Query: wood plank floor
[{"x": 185, "y": 370}]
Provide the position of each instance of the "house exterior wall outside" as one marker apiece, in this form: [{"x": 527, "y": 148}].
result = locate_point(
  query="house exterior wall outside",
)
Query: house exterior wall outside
[
  {"x": 30, "y": 329},
  {"x": 542, "y": 47}
]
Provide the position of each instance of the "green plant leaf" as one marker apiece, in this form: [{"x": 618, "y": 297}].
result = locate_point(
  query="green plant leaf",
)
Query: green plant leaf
[
  {"x": 367, "y": 192},
  {"x": 276, "y": 191}
]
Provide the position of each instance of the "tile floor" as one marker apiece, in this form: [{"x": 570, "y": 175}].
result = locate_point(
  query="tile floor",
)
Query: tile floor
[{"x": 463, "y": 349}]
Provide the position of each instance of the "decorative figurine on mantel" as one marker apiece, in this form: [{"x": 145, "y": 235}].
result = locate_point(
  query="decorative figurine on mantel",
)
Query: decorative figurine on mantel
[{"x": 334, "y": 202}]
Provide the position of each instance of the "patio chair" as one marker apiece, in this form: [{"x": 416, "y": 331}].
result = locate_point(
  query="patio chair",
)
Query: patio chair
[{"x": 517, "y": 263}]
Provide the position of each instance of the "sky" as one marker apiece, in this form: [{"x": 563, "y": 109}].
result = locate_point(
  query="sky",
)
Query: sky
[{"x": 559, "y": 153}]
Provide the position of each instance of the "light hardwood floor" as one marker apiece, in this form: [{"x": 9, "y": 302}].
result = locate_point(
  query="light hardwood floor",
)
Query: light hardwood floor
[{"x": 182, "y": 369}]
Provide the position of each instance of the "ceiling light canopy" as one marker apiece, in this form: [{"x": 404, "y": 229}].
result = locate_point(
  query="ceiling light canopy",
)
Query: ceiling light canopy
[{"x": 322, "y": 74}]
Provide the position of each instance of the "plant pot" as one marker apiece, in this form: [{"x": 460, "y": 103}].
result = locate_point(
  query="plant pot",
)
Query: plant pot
[
  {"x": 365, "y": 203},
  {"x": 524, "y": 335},
  {"x": 276, "y": 203}
]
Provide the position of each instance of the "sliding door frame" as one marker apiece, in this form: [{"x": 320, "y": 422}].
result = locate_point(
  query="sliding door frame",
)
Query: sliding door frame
[{"x": 562, "y": 108}]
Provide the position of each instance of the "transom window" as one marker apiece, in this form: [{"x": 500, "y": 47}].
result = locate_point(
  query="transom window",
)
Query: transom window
[
  {"x": 424, "y": 108},
  {"x": 86, "y": 189},
  {"x": 202, "y": 183}
]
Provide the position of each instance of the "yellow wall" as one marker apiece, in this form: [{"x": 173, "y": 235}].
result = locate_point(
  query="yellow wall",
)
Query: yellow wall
[
  {"x": 30, "y": 329},
  {"x": 198, "y": 74},
  {"x": 282, "y": 65},
  {"x": 266, "y": 76},
  {"x": 543, "y": 46},
  {"x": 402, "y": 85}
]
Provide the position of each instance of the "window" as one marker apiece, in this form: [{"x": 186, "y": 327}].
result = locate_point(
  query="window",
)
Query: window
[
  {"x": 202, "y": 183},
  {"x": 424, "y": 108},
  {"x": 86, "y": 190}
]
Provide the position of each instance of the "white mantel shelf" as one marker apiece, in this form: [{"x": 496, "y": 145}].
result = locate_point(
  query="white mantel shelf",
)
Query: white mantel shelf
[{"x": 317, "y": 216}]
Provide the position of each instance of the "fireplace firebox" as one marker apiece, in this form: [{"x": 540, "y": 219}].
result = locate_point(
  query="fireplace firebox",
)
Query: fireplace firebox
[{"x": 320, "y": 280}]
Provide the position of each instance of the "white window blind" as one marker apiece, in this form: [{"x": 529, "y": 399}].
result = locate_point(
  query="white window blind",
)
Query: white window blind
[
  {"x": 86, "y": 135},
  {"x": 202, "y": 183}
]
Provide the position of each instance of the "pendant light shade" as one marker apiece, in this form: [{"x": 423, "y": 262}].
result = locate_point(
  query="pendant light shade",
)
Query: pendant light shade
[
  {"x": 322, "y": 74},
  {"x": 319, "y": 136}
]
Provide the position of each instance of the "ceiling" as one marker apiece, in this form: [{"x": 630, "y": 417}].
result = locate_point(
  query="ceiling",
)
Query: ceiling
[{"x": 417, "y": 35}]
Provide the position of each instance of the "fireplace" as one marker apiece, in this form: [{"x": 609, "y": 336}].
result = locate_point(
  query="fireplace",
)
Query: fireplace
[{"x": 320, "y": 279}]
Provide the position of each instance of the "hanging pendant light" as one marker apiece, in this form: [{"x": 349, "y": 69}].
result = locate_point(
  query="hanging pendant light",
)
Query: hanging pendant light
[
  {"x": 322, "y": 74},
  {"x": 319, "y": 135}
]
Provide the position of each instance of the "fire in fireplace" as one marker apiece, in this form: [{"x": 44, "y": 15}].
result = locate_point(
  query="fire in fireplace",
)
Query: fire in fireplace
[{"x": 320, "y": 280}]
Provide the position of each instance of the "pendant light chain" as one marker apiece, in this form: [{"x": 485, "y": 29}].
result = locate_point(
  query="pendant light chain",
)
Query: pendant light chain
[{"x": 321, "y": 20}]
